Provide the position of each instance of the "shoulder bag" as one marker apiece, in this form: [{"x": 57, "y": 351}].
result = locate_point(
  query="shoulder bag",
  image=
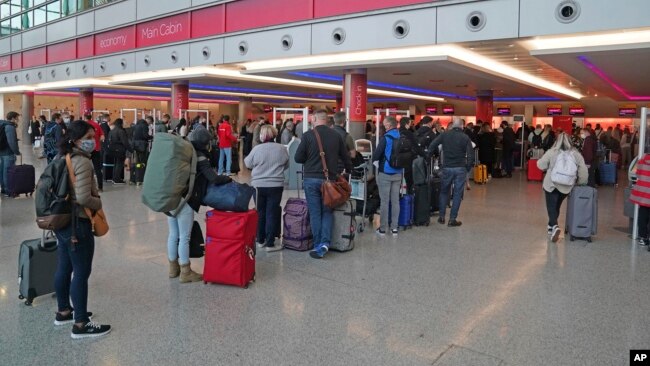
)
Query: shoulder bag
[
  {"x": 335, "y": 193},
  {"x": 98, "y": 218}
]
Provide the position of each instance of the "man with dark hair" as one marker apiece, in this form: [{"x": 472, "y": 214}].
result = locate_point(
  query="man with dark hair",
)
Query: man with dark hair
[
  {"x": 425, "y": 133},
  {"x": 308, "y": 153},
  {"x": 508, "y": 142},
  {"x": 163, "y": 124},
  {"x": 53, "y": 135},
  {"x": 96, "y": 156},
  {"x": 340, "y": 120},
  {"x": 8, "y": 149}
]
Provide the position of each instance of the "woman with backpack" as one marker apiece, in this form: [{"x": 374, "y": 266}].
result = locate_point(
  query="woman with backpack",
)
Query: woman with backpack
[
  {"x": 180, "y": 227},
  {"x": 268, "y": 162},
  {"x": 76, "y": 245},
  {"x": 558, "y": 183},
  {"x": 389, "y": 178}
]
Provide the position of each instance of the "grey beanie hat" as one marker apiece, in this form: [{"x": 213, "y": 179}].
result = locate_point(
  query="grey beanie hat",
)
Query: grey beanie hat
[{"x": 200, "y": 137}]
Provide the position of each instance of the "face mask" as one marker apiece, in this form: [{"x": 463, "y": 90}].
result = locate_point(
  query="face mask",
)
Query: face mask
[
  {"x": 87, "y": 145},
  {"x": 66, "y": 120},
  {"x": 583, "y": 136}
]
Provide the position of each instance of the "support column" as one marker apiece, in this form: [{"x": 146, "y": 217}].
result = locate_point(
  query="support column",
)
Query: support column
[
  {"x": 484, "y": 105},
  {"x": 355, "y": 97},
  {"x": 86, "y": 102},
  {"x": 245, "y": 110},
  {"x": 339, "y": 102},
  {"x": 26, "y": 113},
  {"x": 180, "y": 98}
]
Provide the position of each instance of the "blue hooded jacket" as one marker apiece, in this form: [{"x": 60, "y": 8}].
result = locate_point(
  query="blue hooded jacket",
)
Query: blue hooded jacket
[{"x": 384, "y": 151}]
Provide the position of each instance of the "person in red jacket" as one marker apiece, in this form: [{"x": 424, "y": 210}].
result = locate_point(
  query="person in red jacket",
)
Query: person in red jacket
[
  {"x": 226, "y": 139},
  {"x": 641, "y": 196}
]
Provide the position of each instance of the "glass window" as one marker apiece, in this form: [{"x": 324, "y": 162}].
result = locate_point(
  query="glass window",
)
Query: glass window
[
  {"x": 68, "y": 7},
  {"x": 15, "y": 24},
  {"x": 16, "y": 6},
  {"x": 26, "y": 20},
  {"x": 40, "y": 16},
  {"x": 54, "y": 11},
  {"x": 5, "y": 28},
  {"x": 36, "y": 2},
  {"x": 4, "y": 10}
]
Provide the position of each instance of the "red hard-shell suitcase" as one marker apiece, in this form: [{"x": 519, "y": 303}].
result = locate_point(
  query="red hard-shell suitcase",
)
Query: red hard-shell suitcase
[
  {"x": 230, "y": 248},
  {"x": 21, "y": 180},
  {"x": 534, "y": 173}
]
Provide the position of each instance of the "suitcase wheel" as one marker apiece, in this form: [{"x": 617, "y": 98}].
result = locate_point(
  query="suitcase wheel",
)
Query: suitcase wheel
[
  {"x": 572, "y": 238},
  {"x": 589, "y": 239},
  {"x": 21, "y": 297},
  {"x": 28, "y": 302}
]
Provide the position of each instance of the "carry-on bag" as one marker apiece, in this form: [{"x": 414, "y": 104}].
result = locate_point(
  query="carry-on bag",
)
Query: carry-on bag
[
  {"x": 21, "y": 179},
  {"x": 108, "y": 165},
  {"x": 582, "y": 213},
  {"x": 230, "y": 248},
  {"x": 197, "y": 242},
  {"x": 480, "y": 174},
  {"x": 231, "y": 196},
  {"x": 435, "y": 186},
  {"x": 422, "y": 209},
  {"x": 37, "y": 262},
  {"x": 405, "y": 218},
  {"x": 608, "y": 172},
  {"x": 534, "y": 173},
  {"x": 296, "y": 233},
  {"x": 344, "y": 227}
]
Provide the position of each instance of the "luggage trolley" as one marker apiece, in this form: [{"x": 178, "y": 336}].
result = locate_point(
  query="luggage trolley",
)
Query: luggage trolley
[{"x": 359, "y": 185}]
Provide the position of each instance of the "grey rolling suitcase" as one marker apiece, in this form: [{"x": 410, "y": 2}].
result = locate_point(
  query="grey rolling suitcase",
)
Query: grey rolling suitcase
[
  {"x": 582, "y": 213},
  {"x": 37, "y": 261},
  {"x": 344, "y": 227}
]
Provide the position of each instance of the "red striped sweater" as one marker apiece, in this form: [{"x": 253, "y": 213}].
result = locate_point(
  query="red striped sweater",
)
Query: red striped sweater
[{"x": 641, "y": 190}]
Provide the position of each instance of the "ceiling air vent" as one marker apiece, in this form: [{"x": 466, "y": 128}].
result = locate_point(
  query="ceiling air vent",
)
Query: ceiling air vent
[
  {"x": 400, "y": 29},
  {"x": 567, "y": 11},
  {"x": 338, "y": 36},
  {"x": 476, "y": 21}
]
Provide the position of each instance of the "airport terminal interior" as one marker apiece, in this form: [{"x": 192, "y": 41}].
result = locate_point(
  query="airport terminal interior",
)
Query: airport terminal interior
[{"x": 498, "y": 290}]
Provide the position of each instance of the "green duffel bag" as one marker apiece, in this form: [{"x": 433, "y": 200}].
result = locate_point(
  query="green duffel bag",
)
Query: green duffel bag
[{"x": 170, "y": 175}]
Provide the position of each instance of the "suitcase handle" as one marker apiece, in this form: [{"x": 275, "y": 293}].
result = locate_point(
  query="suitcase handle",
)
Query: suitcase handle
[{"x": 46, "y": 235}]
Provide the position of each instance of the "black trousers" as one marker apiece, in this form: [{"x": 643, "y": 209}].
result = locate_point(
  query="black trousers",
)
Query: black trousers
[
  {"x": 118, "y": 170},
  {"x": 644, "y": 220},
  {"x": 553, "y": 203},
  {"x": 96, "y": 157}
]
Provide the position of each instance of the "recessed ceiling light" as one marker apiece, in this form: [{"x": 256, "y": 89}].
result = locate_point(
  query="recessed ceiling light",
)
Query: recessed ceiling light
[
  {"x": 515, "y": 58},
  {"x": 595, "y": 95},
  {"x": 540, "y": 69},
  {"x": 511, "y": 45}
]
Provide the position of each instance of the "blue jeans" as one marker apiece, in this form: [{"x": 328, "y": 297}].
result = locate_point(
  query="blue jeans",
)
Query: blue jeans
[
  {"x": 320, "y": 216},
  {"x": 6, "y": 162},
  {"x": 180, "y": 231},
  {"x": 225, "y": 153},
  {"x": 456, "y": 177},
  {"x": 74, "y": 259},
  {"x": 269, "y": 212}
]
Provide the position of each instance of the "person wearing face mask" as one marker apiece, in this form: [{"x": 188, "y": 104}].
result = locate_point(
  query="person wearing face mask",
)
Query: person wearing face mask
[
  {"x": 589, "y": 154},
  {"x": 76, "y": 243},
  {"x": 67, "y": 119},
  {"x": 268, "y": 162},
  {"x": 96, "y": 155}
]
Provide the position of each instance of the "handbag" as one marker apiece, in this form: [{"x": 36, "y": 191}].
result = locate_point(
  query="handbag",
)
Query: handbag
[
  {"x": 97, "y": 219},
  {"x": 335, "y": 193}
]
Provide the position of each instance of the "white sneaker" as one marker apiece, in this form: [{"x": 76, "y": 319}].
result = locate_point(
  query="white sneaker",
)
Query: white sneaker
[
  {"x": 555, "y": 236},
  {"x": 275, "y": 248}
]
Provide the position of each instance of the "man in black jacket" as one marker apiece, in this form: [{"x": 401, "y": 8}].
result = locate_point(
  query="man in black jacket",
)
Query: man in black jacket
[
  {"x": 508, "y": 147},
  {"x": 308, "y": 154},
  {"x": 425, "y": 133},
  {"x": 458, "y": 160}
]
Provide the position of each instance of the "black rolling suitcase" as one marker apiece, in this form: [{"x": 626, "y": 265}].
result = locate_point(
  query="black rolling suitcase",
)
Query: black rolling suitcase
[
  {"x": 234, "y": 166},
  {"x": 422, "y": 216},
  {"x": 37, "y": 261},
  {"x": 21, "y": 179},
  {"x": 107, "y": 166},
  {"x": 138, "y": 169}
]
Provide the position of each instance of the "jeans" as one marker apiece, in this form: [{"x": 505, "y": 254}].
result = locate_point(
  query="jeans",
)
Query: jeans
[
  {"x": 553, "y": 203},
  {"x": 96, "y": 157},
  {"x": 268, "y": 208},
  {"x": 225, "y": 153},
  {"x": 74, "y": 259},
  {"x": 320, "y": 216},
  {"x": 456, "y": 177},
  {"x": 389, "y": 186},
  {"x": 626, "y": 156},
  {"x": 180, "y": 231},
  {"x": 507, "y": 161},
  {"x": 6, "y": 162},
  {"x": 644, "y": 220}
]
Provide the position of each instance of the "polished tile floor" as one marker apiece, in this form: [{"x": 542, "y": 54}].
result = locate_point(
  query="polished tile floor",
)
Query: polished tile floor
[{"x": 493, "y": 292}]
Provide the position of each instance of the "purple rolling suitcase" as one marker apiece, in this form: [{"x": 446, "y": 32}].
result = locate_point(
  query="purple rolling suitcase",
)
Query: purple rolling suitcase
[{"x": 21, "y": 179}]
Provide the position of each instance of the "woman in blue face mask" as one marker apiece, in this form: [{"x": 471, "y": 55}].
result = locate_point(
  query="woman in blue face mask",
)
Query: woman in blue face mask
[{"x": 76, "y": 247}]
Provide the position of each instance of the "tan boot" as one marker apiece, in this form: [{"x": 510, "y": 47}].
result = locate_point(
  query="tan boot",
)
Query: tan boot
[
  {"x": 174, "y": 269},
  {"x": 187, "y": 275}
]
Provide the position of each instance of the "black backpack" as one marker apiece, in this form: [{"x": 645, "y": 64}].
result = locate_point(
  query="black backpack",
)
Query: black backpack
[
  {"x": 401, "y": 154},
  {"x": 3, "y": 136},
  {"x": 52, "y": 199},
  {"x": 537, "y": 140}
]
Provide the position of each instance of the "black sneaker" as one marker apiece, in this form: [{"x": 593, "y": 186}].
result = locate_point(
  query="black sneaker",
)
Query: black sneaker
[
  {"x": 441, "y": 220},
  {"x": 67, "y": 319},
  {"x": 90, "y": 330},
  {"x": 454, "y": 223}
]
